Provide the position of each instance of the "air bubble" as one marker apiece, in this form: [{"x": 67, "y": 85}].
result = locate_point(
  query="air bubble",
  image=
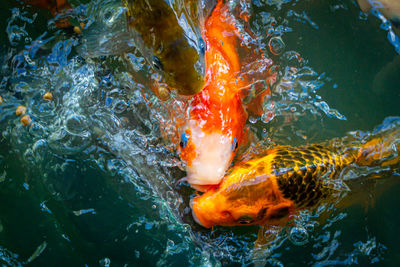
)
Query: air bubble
[
  {"x": 252, "y": 120},
  {"x": 120, "y": 106},
  {"x": 276, "y": 45},
  {"x": 105, "y": 262},
  {"x": 39, "y": 149},
  {"x": 298, "y": 235},
  {"x": 76, "y": 124}
]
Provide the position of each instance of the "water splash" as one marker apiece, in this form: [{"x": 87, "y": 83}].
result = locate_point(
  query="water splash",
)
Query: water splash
[{"x": 104, "y": 118}]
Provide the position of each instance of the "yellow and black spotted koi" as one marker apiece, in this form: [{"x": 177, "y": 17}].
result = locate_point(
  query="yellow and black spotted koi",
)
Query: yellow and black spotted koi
[{"x": 285, "y": 179}]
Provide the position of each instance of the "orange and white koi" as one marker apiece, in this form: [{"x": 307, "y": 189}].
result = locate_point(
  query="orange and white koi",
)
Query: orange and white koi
[{"x": 216, "y": 120}]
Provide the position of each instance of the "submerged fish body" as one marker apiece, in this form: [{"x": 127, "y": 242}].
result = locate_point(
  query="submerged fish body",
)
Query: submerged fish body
[
  {"x": 267, "y": 189},
  {"x": 216, "y": 120},
  {"x": 171, "y": 45},
  {"x": 168, "y": 44},
  {"x": 167, "y": 40}
]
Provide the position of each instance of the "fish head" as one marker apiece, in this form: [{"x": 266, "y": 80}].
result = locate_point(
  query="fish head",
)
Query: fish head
[
  {"x": 207, "y": 154},
  {"x": 242, "y": 199}
]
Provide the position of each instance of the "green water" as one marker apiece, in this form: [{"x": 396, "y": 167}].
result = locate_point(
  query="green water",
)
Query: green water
[{"x": 98, "y": 205}]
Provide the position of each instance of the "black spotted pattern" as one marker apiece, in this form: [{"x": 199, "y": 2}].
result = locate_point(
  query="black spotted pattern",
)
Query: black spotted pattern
[{"x": 300, "y": 172}]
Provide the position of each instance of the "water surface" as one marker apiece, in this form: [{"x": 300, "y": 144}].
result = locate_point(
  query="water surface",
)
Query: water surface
[{"x": 94, "y": 180}]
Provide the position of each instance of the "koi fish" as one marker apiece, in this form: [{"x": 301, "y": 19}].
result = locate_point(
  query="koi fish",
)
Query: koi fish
[
  {"x": 169, "y": 45},
  {"x": 158, "y": 32},
  {"x": 216, "y": 120},
  {"x": 266, "y": 190}
]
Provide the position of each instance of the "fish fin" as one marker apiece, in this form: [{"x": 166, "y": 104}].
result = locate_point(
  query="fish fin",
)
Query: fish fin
[
  {"x": 248, "y": 139},
  {"x": 382, "y": 147},
  {"x": 180, "y": 181},
  {"x": 248, "y": 136},
  {"x": 102, "y": 40},
  {"x": 255, "y": 107},
  {"x": 259, "y": 76},
  {"x": 256, "y": 149},
  {"x": 364, "y": 191},
  {"x": 105, "y": 44}
]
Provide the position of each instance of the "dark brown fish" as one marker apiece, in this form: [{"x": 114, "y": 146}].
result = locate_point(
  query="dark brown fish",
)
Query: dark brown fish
[
  {"x": 159, "y": 34},
  {"x": 170, "y": 46}
]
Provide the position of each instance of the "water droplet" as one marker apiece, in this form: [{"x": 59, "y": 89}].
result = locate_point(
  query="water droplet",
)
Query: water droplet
[
  {"x": 39, "y": 150},
  {"x": 3, "y": 177},
  {"x": 26, "y": 186},
  {"x": 105, "y": 262},
  {"x": 120, "y": 106},
  {"x": 170, "y": 244},
  {"x": 267, "y": 116},
  {"x": 84, "y": 211},
  {"x": 298, "y": 235},
  {"x": 276, "y": 45},
  {"x": 252, "y": 119},
  {"x": 75, "y": 124}
]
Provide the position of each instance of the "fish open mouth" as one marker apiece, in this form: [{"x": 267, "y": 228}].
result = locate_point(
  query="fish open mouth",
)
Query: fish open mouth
[
  {"x": 194, "y": 214},
  {"x": 203, "y": 188}
]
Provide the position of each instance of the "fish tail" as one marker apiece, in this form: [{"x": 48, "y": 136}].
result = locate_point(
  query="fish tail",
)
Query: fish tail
[{"x": 381, "y": 148}]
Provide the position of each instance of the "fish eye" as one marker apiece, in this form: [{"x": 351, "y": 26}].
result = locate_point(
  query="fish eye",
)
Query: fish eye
[
  {"x": 245, "y": 219},
  {"x": 202, "y": 46},
  {"x": 184, "y": 139},
  {"x": 226, "y": 214},
  {"x": 234, "y": 144},
  {"x": 157, "y": 63}
]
